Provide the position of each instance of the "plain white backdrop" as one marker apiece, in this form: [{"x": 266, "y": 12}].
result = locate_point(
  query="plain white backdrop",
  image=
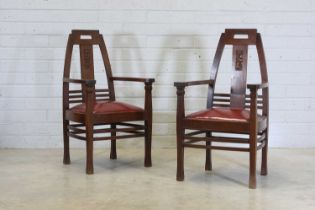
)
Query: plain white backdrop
[{"x": 171, "y": 40}]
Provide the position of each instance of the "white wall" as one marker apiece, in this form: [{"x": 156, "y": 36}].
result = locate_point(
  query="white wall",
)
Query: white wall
[{"x": 166, "y": 39}]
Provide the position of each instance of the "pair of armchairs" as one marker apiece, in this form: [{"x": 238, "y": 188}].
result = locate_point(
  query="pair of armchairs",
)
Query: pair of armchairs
[{"x": 96, "y": 115}]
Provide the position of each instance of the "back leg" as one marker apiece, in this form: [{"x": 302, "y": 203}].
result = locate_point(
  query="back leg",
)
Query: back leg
[
  {"x": 264, "y": 156},
  {"x": 89, "y": 149},
  {"x": 113, "y": 153},
  {"x": 208, "y": 164},
  {"x": 147, "y": 143},
  {"x": 252, "y": 160},
  {"x": 66, "y": 147}
]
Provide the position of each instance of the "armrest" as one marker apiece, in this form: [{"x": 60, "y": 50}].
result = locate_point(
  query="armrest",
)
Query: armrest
[
  {"x": 254, "y": 87},
  {"x": 190, "y": 83},
  {"x": 86, "y": 82},
  {"x": 134, "y": 79}
]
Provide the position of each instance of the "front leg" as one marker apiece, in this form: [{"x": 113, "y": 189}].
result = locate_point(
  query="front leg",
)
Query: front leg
[
  {"x": 180, "y": 133},
  {"x": 89, "y": 125},
  {"x": 253, "y": 138},
  {"x": 148, "y": 125}
]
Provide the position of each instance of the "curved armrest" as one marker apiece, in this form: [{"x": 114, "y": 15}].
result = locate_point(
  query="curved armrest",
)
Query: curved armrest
[
  {"x": 254, "y": 87},
  {"x": 134, "y": 79},
  {"x": 190, "y": 83},
  {"x": 87, "y": 82}
]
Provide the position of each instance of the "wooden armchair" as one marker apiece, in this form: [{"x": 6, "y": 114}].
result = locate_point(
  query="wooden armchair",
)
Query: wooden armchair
[
  {"x": 93, "y": 109},
  {"x": 228, "y": 113}
]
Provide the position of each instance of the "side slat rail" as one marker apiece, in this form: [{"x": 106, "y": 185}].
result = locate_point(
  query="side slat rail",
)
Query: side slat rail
[
  {"x": 75, "y": 96},
  {"x": 224, "y": 100},
  {"x": 132, "y": 130},
  {"x": 190, "y": 140}
]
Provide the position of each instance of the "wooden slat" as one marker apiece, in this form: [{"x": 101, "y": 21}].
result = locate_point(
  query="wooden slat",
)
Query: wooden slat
[
  {"x": 130, "y": 124},
  {"x": 75, "y": 101},
  {"x": 216, "y": 147},
  {"x": 102, "y": 90},
  {"x": 135, "y": 131},
  {"x": 75, "y": 129},
  {"x": 118, "y": 137},
  {"x": 221, "y": 105},
  {"x": 195, "y": 133},
  {"x": 107, "y": 138},
  {"x": 106, "y": 130},
  {"x": 102, "y": 95},
  {"x": 75, "y": 91},
  {"x": 221, "y": 99},
  {"x": 222, "y": 94},
  {"x": 103, "y": 124},
  {"x": 76, "y": 136},
  {"x": 228, "y": 105},
  {"x": 216, "y": 139},
  {"x": 77, "y": 125},
  {"x": 75, "y": 96},
  {"x": 228, "y": 95}
]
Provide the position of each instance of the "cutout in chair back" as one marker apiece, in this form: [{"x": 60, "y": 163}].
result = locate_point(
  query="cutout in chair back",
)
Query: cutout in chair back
[
  {"x": 240, "y": 36},
  {"x": 85, "y": 37}
]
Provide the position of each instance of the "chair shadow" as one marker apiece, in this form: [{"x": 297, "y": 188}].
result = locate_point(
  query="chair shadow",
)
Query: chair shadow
[{"x": 207, "y": 177}]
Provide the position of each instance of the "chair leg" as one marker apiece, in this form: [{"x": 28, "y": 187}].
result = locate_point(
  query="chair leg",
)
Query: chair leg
[
  {"x": 180, "y": 156},
  {"x": 264, "y": 156},
  {"x": 89, "y": 149},
  {"x": 148, "y": 143},
  {"x": 252, "y": 161},
  {"x": 113, "y": 153},
  {"x": 208, "y": 164},
  {"x": 66, "y": 147}
]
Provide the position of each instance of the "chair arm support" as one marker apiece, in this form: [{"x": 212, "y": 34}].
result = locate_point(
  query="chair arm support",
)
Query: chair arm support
[
  {"x": 253, "y": 98},
  {"x": 148, "y": 101},
  {"x": 134, "y": 79},
  {"x": 88, "y": 83},
  {"x": 255, "y": 87},
  {"x": 180, "y": 110},
  {"x": 180, "y": 86},
  {"x": 191, "y": 83},
  {"x": 89, "y": 91}
]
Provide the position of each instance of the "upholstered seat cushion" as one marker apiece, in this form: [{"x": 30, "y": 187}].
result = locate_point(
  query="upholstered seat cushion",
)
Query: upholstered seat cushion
[
  {"x": 108, "y": 107},
  {"x": 224, "y": 114}
]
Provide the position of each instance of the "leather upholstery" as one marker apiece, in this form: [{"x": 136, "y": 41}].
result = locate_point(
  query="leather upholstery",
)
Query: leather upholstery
[
  {"x": 108, "y": 107},
  {"x": 224, "y": 114}
]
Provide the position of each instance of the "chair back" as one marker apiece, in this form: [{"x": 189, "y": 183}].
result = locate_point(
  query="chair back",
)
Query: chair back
[
  {"x": 240, "y": 39},
  {"x": 86, "y": 39}
]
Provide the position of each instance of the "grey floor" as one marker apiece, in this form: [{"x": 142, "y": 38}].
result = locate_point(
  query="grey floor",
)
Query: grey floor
[{"x": 36, "y": 179}]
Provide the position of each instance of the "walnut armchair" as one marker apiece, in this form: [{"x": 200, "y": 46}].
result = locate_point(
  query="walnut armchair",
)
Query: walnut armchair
[
  {"x": 90, "y": 113},
  {"x": 228, "y": 113}
]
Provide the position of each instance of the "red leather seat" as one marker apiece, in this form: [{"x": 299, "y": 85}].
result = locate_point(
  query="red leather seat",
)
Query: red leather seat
[
  {"x": 108, "y": 107},
  {"x": 223, "y": 118},
  {"x": 225, "y": 114}
]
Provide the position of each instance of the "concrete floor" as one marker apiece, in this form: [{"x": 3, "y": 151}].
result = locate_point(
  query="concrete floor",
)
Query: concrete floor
[{"x": 36, "y": 179}]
